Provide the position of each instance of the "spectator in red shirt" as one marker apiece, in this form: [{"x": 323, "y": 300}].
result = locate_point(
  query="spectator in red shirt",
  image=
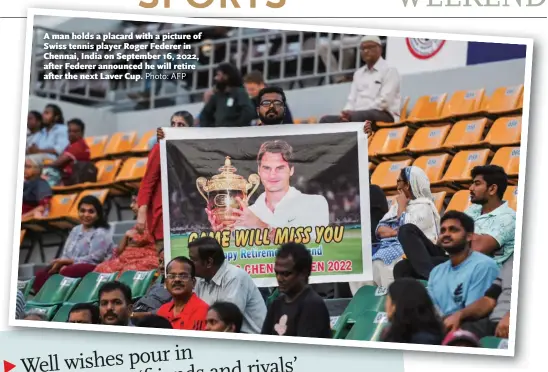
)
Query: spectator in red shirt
[
  {"x": 149, "y": 199},
  {"x": 186, "y": 310},
  {"x": 60, "y": 170}
]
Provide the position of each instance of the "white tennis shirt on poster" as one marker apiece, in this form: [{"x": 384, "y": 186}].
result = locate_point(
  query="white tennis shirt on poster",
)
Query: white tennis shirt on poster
[{"x": 295, "y": 209}]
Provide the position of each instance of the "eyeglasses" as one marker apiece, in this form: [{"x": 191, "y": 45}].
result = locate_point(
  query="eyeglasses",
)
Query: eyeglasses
[
  {"x": 276, "y": 103},
  {"x": 183, "y": 276}
]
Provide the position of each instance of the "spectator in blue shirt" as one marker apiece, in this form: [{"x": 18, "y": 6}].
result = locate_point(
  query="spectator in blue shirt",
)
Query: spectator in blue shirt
[
  {"x": 464, "y": 278},
  {"x": 52, "y": 139}
]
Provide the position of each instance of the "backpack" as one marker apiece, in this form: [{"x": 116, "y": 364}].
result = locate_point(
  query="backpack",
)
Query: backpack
[{"x": 84, "y": 171}]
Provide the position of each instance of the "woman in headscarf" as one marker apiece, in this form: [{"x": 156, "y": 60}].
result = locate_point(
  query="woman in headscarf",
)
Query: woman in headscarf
[
  {"x": 36, "y": 191},
  {"x": 413, "y": 205}
]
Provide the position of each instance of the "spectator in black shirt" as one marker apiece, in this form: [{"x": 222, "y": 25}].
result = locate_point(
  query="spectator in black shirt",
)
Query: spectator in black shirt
[
  {"x": 229, "y": 106},
  {"x": 299, "y": 311},
  {"x": 272, "y": 106},
  {"x": 254, "y": 83}
]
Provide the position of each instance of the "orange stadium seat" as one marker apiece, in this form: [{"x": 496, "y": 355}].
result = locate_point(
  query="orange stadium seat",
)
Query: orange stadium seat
[
  {"x": 508, "y": 158},
  {"x": 427, "y": 139},
  {"x": 459, "y": 202},
  {"x": 439, "y": 198},
  {"x": 312, "y": 120},
  {"x": 458, "y": 172},
  {"x": 106, "y": 173},
  {"x": 427, "y": 108},
  {"x": 403, "y": 116},
  {"x": 372, "y": 166},
  {"x": 120, "y": 143},
  {"x": 22, "y": 236},
  {"x": 505, "y": 100},
  {"x": 142, "y": 145},
  {"x": 462, "y": 104},
  {"x": 511, "y": 196},
  {"x": 129, "y": 176},
  {"x": 100, "y": 194},
  {"x": 96, "y": 146},
  {"x": 60, "y": 207},
  {"x": 386, "y": 173},
  {"x": 465, "y": 134},
  {"x": 505, "y": 131},
  {"x": 387, "y": 141},
  {"x": 433, "y": 165}
]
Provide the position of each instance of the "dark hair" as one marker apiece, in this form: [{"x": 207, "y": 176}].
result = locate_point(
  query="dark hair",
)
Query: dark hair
[
  {"x": 234, "y": 77},
  {"x": 229, "y": 314},
  {"x": 93, "y": 309},
  {"x": 183, "y": 260},
  {"x": 37, "y": 116},
  {"x": 79, "y": 123},
  {"x": 57, "y": 113},
  {"x": 187, "y": 117},
  {"x": 465, "y": 220},
  {"x": 116, "y": 286},
  {"x": 276, "y": 147},
  {"x": 271, "y": 89},
  {"x": 154, "y": 321},
  {"x": 301, "y": 257},
  {"x": 493, "y": 175},
  {"x": 415, "y": 312},
  {"x": 101, "y": 218},
  {"x": 403, "y": 175},
  {"x": 209, "y": 247},
  {"x": 255, "y": 77}
]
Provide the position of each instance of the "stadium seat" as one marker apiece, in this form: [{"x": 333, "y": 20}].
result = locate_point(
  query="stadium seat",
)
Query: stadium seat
[
  {"x": 106, "y": 173},
  {"x": 142, "y": 145},
  {"x": 48, "y": 311},
  {"x": 138, "y": 281},
  {"x": 491, "y": 342},
  {"x": 25, "y": 286},
  {"x": 67, "y": 220},
  {"x": 427, "y": 139},
  {"x": 372, "y": 166},
  {"x": 368, "y": 326},
  {"x": 439, "y": 198},
  {"x": 433, "y": 165},
  {"x": 119, "y": 144},
  {"x": 62, "y": 314},
  {"x": 427, "y": 109},
  {"x": 130, "y": 175},
  {"x": 55, "y": 291},
  {"x": 387, "y": 141},
  {"x": 459, "y": 202},
  {"x": 88, "y": 289},
  {"x": 458, "y": 175},
  {"x": 463, "y": 104},
  {"x": 60, "y": 207},
  {"x": 505, "y": 131},
  {"x": 465, "y": 134},
  {"x": 22, "y": 236},
  {"x": 505, "y": 100},
  {"x": 386, "y": 173},
  {"x": 403, "y": 116},
  {"x": 511, "y": 196},
  {"x": 508, "y": 158},
  {"x": 96, "y": 146},
  {"x": 423, "y": 282}
]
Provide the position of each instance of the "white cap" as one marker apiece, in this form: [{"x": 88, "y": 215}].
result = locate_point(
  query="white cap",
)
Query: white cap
[{"x": 374, "y": 39}]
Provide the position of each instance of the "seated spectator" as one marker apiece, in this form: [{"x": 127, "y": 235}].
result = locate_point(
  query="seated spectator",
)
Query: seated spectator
[
  {"x": 459, "y": 282},
  {"x": 69, "y": 167},
  {"x": 87, "y": 245},
  {"x": 494, "y": 226},
  {"x": 490, "y": 315},
  {"x": 115, "y": 304},
  {"x": 154, "y": 321},
  {"x": 84, "y": 314},
  {"x": 224, "y": 317},
  {"x": 36, "y": 314},
  {"x": 34, "y": 125},
  {"x": 299, "y": 311},
  {"x": 271, "y": 106},
  {"x": 254, "y": 83},
  {"x": 375, "y": 90},
  {"x": 186, "y": 310},
  {"x": 461, "y": 338},
  {"x": 20, "y": 305},
  {"x": 230, "y": 105},
  {"x": 219, "y": 280},
  {"x": 415, "y": 209},
  {"x": 52, "y": 139},
  {"x": 136, "y": 251},
  {"x": 156, "y": 295},
  {"x": 37, "y": 193},
  {"x": 494, "y": 219},
  {"x": 178, "y": 119},
  {"x": 412, "y": 315}
]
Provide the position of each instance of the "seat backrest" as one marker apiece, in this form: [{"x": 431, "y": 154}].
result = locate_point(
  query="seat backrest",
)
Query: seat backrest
[
  {"x": 463, "y": 162},
  {"x": 56, "y": 289},
  {"x": 386, "y": 173},
  {"x": 466, "y": 132},
  {"x": 508, "y": 158},
  {"x": 96, "y": 145},
  {"x": 368, "y": 326},
  {"x": 463, "y": 102},
  {"x": 388, "y": 140},
  {"x": 505, "y": 99},
  {"x": 432, "y": 165},
  {"x": 439, "y": 198},
  {"x": 404, "y": 108},
  {"x": 120, "y": 142},
  {"x": 62, "y": 314},
  {"x": 107, "y": 170},
  {"x": 138, "y": 281},
  {"x": 88, "y": 289},
  {"x": 428, "y": 107},
  {"x": 505, "y": 130},
  {"x": 143, "y": 143},
  {"x": 428, "y": 138},
  {"x": 460, "y": 201},
  {"x": 61, "y": 205},
  {"x": 100, "y": 194},
  {"x": 133, "y": 168},
  {"x": 511, "y": 196}
]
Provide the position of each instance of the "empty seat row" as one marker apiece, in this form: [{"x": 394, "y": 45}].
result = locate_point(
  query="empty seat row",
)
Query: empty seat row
[{"x": 119, "y": 144}]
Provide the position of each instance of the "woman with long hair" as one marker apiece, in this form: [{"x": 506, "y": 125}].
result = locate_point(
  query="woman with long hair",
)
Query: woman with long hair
[
  {"x": 224, "y": 317},
  {"x": 412, "y": 315}
]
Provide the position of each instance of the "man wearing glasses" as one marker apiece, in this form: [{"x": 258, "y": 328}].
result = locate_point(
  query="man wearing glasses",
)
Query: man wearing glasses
[
  {"x": 272, "y": 106},
  {"x": 186, "y": 310}
]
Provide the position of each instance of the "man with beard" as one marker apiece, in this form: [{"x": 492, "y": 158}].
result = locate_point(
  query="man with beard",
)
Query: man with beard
[
  {"x": 464, "y": 278},
  {"x": 186, "y": 310},
  {"x": 271, "y": 106},
  {"x": 254, "y": 83},
  {"x": 115, "y": 304},
  {"x": 229, "y": 106}
]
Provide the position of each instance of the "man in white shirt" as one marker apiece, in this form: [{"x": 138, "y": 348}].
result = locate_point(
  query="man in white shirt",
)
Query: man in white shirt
[{"x": 375, "y": 90}]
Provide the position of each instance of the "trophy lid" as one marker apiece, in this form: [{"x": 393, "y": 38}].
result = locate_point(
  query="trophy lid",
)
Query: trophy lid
[{"x": 227, "y": 173}]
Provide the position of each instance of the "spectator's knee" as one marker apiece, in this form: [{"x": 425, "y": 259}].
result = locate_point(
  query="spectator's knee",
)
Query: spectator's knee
[{"x": 406, "y": 229}]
